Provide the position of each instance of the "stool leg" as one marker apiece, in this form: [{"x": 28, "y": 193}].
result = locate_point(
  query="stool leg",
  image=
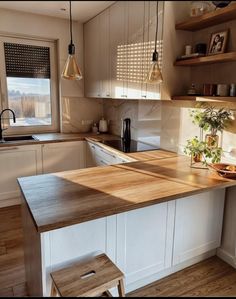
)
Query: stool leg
[
  {"x": 53, "y": 291},
  {"x": 121, "y": 289}
]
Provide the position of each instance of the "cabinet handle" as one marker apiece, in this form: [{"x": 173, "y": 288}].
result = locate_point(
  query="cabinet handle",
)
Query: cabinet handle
[
  {"x": 8, "y": 149},
  {"x": 144, "y": 97},
  {"x": 105, "y": 152},
  {"x": 124, "y": 96},
  {"x": 103, "y": 162},
  {"x": 108, "y": 95},
  {"x": 92, "y": 146}
]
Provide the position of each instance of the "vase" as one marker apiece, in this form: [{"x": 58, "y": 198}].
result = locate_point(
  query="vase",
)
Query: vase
[
  {"x": 197, "y": 158},
  {"x": 212, "y": 139}
]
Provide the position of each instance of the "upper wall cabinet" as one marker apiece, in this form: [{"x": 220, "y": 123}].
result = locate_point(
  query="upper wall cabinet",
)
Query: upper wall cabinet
[{"x": 119, "y": 44}]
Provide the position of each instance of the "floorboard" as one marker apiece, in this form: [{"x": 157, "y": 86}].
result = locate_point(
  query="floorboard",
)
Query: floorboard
[{"x": 212, "y": 277}]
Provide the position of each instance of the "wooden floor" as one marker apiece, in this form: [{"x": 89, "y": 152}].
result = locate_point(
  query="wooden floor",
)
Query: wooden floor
[
  {"x": 12, "y": 272},
  {"x": 212, "y": 277}
]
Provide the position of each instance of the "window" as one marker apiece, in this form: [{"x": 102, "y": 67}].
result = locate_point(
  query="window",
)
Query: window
[{"x": 28, "y": 81}]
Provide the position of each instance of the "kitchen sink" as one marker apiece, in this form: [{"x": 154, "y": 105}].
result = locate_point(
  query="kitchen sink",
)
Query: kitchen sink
[{"x": 19, "y": 138}]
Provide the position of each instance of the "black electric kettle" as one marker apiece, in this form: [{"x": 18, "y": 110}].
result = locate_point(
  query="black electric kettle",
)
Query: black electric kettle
[{"x": 126, "y": 136}]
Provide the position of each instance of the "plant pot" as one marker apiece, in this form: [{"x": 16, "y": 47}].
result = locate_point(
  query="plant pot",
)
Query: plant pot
[
  {"x": 197, "y": 158},
  {"x": 212, "y": 140}
]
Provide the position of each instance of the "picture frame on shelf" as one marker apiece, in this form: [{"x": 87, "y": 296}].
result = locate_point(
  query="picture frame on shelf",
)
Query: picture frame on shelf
[{"x": 218, "y": 41}]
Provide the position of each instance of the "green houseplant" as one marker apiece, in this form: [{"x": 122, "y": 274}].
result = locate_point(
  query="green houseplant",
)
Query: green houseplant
[
  {"x": 200, "y": 151},
  {"x": 213, "y": 120}
]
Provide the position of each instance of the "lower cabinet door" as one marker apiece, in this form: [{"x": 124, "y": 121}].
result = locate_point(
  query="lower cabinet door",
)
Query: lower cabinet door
[
  {"x": 144, "y": 241},
  {"x": 64, "y": 156},
  {"x": 198, "y": 224},
  {"x": 16, "y": 162}
]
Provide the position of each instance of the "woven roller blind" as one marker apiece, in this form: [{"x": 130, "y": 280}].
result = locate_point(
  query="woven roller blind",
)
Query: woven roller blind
[{"x": 27, "y": 61}]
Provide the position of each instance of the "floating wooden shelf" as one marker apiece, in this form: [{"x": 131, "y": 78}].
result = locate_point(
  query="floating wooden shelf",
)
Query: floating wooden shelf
[
  {"x": 225, "y": 57},
  {"x": 204, "y": 99},
  {"x": 209, "y": 19}
]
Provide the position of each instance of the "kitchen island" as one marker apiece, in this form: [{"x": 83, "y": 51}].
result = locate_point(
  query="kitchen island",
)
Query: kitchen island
[{"x": 151, "y": 217}]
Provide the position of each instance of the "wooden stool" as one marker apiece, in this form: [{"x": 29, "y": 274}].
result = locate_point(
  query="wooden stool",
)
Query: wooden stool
[{"x": 88, "y": 279}]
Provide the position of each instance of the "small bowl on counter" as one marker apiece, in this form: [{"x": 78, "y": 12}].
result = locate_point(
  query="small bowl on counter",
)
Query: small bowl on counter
[{"x": 225, "y": 170}]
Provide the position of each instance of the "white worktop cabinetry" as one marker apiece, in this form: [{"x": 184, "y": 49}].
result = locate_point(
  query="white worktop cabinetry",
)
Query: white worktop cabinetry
[
  {"x": 63, "y": 156},
  {"x": 147, "y": 243},
  {"x": 17, "y": 161},
  {"x": 29, "y": 160}
]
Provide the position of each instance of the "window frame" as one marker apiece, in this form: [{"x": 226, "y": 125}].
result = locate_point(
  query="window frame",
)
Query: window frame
[{"x": 54, "y": 86}]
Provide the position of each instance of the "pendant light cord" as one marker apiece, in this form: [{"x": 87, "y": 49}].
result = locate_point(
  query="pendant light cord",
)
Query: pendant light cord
[
  {"x": 71, "y": 41},
  {"x": 156, "y": 27}
]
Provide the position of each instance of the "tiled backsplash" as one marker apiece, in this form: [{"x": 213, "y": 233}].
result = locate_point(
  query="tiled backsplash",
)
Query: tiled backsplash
[
  {"x": 78, "y": 114},
  {"x": 145, "y": 118}
]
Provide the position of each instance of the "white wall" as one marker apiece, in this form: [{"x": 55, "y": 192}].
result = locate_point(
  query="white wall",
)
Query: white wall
[{"x": 32, "y": 25}]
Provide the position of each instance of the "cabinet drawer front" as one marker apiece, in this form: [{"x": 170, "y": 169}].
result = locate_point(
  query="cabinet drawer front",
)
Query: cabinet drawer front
[{"x": 103, "y": 154}]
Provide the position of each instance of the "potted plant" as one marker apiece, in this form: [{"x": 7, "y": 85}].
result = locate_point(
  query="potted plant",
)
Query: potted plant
[
  {"x": 195, "y": 149},
  {"x": 213, "y": 120},
  {"x": 200, "y": 151}
]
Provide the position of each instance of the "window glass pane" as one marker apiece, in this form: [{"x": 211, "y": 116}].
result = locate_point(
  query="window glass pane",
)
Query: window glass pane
[{"x": 30, "y": 99}]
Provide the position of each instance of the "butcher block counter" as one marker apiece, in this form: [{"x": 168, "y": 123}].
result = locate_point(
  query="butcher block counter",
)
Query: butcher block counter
[{"x": 62, "y": 199}]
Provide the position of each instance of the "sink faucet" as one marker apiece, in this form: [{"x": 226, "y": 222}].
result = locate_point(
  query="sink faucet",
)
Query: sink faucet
[{"x": 1, "y": 129}]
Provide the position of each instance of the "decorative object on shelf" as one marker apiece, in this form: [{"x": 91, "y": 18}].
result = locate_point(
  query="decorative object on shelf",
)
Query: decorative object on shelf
[
  {"x": 218, "y": 42},
  {"x": 188, "y": 50},
  {"x": 209, "y": 89},
  {"x": 154, "y": 74},
  {"x": 71, "y": 70},
  {"x": 201, "y": 48},
  {"x": 213, "y": 120},
  {"x": 221, "y": 4},
  {"x": 232, "y": 90},
  {"x": 222, "y": 90},
  {"x": 198, "y": 8},
  {"x": 201, "y": 153},
  {"x": 192, "y": 90},
  {"x": 193, "y": 55}
]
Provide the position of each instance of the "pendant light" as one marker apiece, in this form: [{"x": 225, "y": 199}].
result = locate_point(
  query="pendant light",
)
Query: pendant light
[
  {"x": 154, "y": 74},
  {"x": 71, "y": 70}
]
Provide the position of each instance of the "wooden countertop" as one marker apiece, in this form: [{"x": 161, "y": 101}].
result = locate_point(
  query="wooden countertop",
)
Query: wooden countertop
[
  {"x": 132, "y": 157},
  {"x": 53, "y": 138},
  {"x": 62, "y": 199}
]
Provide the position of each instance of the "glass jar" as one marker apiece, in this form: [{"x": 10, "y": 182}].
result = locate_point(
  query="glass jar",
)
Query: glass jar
[{"x": 198, "y": 8}]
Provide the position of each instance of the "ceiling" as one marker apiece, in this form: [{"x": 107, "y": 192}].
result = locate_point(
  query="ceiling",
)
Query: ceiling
[{"x": 81, "y": 10}]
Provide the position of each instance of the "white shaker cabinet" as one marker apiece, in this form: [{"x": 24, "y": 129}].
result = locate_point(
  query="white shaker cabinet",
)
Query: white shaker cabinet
[
  {"x": 63, "y": 156},
  {"x": 98, "y": 156},
  {"x": 198, "y": 224},
  {"x": 15, "y": 162},
  {"x": 144, "y": 241},
  {"x": 92, "y": 55},
  {"x": 105, "y": 57},
  {"x": 119, "y": 43},
  {"x": 119, "y": 49},
  {"x": 97, "y": 56}
]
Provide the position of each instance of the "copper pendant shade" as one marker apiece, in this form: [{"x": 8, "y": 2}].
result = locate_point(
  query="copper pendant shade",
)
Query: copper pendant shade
[
  {"x": 154, "y": 75},
  {"x": 71, "y": 69}
]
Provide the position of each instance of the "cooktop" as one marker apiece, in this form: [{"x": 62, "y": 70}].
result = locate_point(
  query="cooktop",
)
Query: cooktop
[{"x": 131, "y": 146}]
